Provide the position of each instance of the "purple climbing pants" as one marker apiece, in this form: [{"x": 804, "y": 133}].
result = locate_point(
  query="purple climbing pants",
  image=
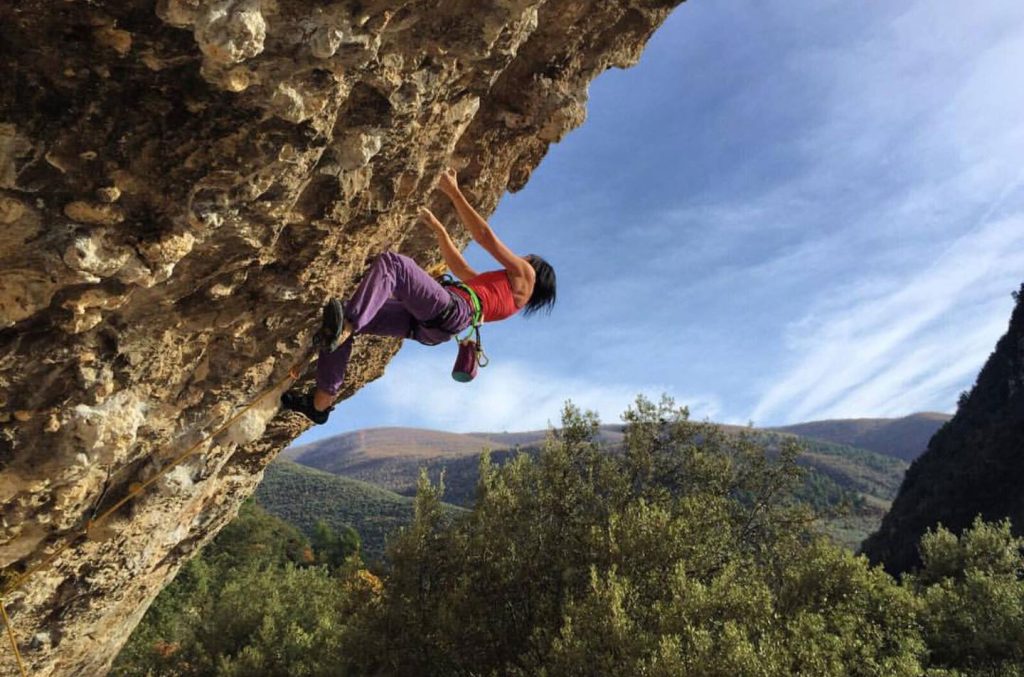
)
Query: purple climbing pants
[{"x": 394, "y": 298}]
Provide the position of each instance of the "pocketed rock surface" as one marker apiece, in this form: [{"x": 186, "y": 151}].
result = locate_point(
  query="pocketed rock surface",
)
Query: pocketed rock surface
[{"x": 182, "y": 184}]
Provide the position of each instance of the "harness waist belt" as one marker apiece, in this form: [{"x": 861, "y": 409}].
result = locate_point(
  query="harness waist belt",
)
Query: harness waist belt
[{"x": 442, "y": 318}]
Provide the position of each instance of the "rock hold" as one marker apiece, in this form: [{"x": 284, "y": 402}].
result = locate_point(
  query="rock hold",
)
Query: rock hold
[
  {"x": 10, "y": 210},
  {"x": 357, "y": 150},
  {"x": 108, "y": 431},
  {"x": 95, "y": 254},
  {"x": 230, "y": 31},
  {"x": 116, "y": 39},
  {"x": 92, "y": 213}
]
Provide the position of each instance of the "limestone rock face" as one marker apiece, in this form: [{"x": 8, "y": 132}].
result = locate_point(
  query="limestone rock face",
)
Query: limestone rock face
[{"x": 182, "y": 184}]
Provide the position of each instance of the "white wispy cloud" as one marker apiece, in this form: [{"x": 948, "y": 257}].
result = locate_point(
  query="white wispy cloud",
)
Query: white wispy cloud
[
  {"x": 919, "y": 321},
  {"x": 903, "y": 348}
]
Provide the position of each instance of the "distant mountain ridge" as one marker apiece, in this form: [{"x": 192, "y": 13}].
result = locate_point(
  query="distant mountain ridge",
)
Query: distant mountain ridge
[
  {"x": 393, "y": 441},
  {"x": 904, "y": 438},
  {"x": 378, "y": 445},
  {"x": 391, "y": 458}
]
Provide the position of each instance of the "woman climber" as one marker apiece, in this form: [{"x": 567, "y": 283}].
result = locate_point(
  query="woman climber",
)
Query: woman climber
[{"x": 398, "y": 298}]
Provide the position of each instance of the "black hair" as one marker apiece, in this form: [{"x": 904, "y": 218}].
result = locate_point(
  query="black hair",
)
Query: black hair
[{"x": 544, "y": 292}]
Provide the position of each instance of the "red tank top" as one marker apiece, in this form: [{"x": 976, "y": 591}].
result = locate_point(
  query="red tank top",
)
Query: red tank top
[{"x": 495, "y": 292}]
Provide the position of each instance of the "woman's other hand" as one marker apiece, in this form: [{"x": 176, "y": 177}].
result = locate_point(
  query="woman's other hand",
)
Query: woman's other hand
[
  {"x": 448, "y": 183},
  {"x": 452, "y": 256},
  {"x": 431, "y": 221}
]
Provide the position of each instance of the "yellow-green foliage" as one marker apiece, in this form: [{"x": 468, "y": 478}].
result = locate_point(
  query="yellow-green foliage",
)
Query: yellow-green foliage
[
  {"x": 679, "y": 557},
  {"x": 683, "y": 555},
  {"x": 972, "y": 599}
]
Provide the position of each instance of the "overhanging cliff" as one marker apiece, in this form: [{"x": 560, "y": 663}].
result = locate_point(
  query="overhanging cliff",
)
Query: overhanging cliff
[{"x": 182, "y": 183}]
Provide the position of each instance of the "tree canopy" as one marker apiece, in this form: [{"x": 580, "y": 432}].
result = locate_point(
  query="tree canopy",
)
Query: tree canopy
[{"x": 685, "y": 554}]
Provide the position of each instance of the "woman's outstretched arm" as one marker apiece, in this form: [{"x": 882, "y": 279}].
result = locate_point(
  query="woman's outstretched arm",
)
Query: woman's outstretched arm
[
  {"x": 452, "y": 256},
  {"x": 481, "y": 231}
]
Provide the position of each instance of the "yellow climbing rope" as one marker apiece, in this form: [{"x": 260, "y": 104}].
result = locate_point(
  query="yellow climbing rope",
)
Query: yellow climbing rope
[
  {"x": 437, "y": 270},
  {"x": 294, "y": 372}
]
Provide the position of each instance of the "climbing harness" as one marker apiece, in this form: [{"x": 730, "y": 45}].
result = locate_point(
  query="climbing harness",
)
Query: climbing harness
[
  {"x": 294, "y": 372},
  {"x": 471, "y": 348}
]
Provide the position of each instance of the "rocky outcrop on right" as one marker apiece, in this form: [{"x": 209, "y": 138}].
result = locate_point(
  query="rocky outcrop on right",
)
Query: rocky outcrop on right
[{"x": 974, "y": 464}]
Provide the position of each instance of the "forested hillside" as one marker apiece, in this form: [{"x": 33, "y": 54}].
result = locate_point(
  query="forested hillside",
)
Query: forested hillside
[{"x": 303, "y": 497}]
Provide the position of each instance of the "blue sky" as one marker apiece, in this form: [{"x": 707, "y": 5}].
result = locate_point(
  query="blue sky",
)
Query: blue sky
[{"x": 787, "y": 211}]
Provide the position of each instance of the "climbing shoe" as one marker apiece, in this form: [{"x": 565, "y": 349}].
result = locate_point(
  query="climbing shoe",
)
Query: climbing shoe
[
  {"x": 329, "y": 337},
  {"x": 303, "y": 403}
]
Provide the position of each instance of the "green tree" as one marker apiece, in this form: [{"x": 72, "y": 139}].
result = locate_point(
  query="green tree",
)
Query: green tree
[
  {"x": 248, "y": 605},
  {"x": 331, "y": 547},
  {"x": 684, "y": 555},
  {"x": 972, "y": 599}
]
